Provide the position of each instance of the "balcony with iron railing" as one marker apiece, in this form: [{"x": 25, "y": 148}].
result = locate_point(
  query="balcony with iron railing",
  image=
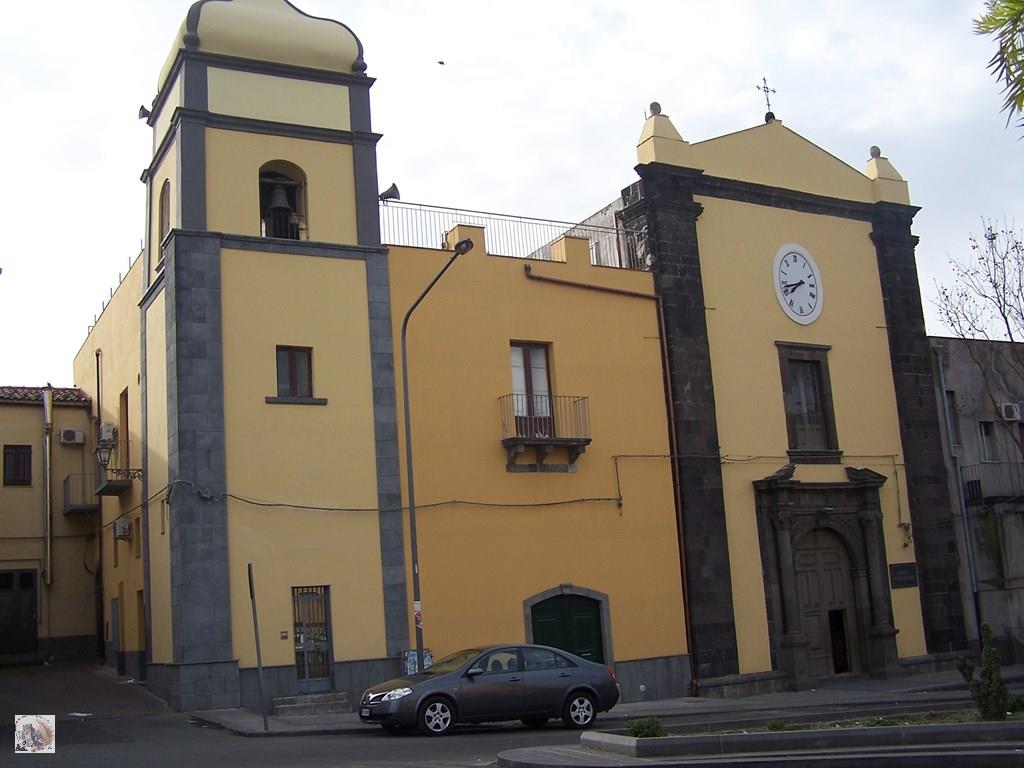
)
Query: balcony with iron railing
[
  {"x": 546, "y": 423},
  {"x": 426, "y": 226},
  {"x": 992, "y": 481},
  {"x": 80, "y": 494}
]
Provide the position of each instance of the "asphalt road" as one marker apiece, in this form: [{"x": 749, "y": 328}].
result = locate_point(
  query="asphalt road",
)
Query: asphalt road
[
  {"x": 128, "y": 726},
  {"x": 172, "y": 739}
]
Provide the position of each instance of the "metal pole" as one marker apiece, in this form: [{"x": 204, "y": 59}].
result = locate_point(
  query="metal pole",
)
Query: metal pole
[
  {"x": 461, "y": 247},
  {"x": 259, "y": 653}
]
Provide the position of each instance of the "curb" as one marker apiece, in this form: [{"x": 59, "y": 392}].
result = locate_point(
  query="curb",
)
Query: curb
[{"x": 793, "y": 741}]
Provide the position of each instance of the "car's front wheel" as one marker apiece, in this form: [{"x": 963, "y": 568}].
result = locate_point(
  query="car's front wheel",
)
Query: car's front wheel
[
  {"x": 579, "y": 710},
  {"x": 437, "y": 717}
]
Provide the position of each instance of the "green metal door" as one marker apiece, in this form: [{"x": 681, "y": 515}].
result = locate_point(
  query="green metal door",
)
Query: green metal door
[{"x": 569, "y": 622}]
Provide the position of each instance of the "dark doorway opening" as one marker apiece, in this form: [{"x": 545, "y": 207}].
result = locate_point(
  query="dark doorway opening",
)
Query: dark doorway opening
[
  {"x": 837, "y": 629},
  {"x": 18, "y": 615}
]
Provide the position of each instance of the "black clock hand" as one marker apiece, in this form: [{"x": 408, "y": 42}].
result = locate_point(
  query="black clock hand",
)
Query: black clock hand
[{"x": 790, "y": 287}]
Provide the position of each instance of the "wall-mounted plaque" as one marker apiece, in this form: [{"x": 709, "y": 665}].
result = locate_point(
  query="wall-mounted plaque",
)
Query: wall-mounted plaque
[{"x": 903, "y": 575}]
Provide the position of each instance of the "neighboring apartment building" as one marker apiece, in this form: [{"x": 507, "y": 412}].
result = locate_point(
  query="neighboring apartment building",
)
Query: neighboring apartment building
[
  {"x": 980, "y": 387},
  {"x": 680, "y": 447},
  {"x": 48, "y": 512}
]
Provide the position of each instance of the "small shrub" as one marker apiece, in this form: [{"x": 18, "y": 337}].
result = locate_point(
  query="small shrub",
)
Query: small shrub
[
  {"x": 988, "y": 691},
  {"x": 881, "y": 722},
  {"x": 776, "y": 725},
  {"x": 645, "y": 728}
]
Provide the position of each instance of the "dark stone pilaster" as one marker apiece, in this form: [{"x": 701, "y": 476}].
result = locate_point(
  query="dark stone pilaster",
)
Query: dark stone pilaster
[
  {"x": 200, "y": 578},
  {"x": 191, "y": 195},
  {"x": 662, "y": 206},
  {"x": 364, "y": 165},
  {"x": 385, "y": 423},
  {"x": 934, "y": 537}
]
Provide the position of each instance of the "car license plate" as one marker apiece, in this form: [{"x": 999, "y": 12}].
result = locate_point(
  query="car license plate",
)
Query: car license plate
[{"x": 364, "y": 712}]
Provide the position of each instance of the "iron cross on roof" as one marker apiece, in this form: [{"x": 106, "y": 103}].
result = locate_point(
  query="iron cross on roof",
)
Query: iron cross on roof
[{"x": 769, "y": 115}]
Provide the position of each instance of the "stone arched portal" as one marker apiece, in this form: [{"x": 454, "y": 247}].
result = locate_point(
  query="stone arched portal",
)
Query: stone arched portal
[{"x": 836, "y": 529}]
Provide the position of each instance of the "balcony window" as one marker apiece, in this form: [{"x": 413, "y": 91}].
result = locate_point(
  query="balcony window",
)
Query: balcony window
[
  {"x": 531, "y": 390},
  {"x": 532, "y": 416},
  {"x": 987, "y": 446}
]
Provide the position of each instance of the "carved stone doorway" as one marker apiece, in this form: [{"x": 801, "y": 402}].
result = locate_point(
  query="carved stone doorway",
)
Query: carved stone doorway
[{"x": 825, "y": 575}]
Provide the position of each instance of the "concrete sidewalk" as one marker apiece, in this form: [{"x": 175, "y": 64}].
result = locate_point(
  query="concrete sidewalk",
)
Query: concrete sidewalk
[{"x": 834, "y": 699}]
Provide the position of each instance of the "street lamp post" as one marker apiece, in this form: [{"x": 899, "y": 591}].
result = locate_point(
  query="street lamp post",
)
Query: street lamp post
[{"x": 461, "y": 247}]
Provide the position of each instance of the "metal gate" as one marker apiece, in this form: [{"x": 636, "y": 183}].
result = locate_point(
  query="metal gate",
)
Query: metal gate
[
  {"x": 18, "y": 615},
  {"x": 312, "y": 612}
]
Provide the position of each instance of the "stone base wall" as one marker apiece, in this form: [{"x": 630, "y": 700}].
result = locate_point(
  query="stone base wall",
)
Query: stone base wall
[
  {"x": 738, "y": 686},
  {"x": 665, "y": 677},
  {"x": 202, "y": 685},
  {"x": 350, "y": 677}
]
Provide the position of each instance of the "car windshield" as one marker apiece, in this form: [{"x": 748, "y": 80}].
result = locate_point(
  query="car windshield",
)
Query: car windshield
[{"x": 451, "y": 662}]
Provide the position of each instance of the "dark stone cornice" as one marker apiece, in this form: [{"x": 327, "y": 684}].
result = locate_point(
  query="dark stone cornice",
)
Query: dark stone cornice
[
  {"x": 252, "y": 125},
  {"x": 884, "y": 215},
  {"x": 277, "y": 245}
]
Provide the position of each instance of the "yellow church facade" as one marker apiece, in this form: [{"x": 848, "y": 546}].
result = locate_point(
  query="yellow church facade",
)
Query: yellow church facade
[{"x": 627, "y": 440}]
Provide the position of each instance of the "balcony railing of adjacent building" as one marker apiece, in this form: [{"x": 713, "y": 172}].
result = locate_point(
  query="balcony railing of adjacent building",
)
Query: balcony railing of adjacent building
[
  {"x": 424, "y": 226},
  {"x": 116, "y": 478},
  {"x": 545, "y": 422},
  {"x": 80, "y": 494},
  {"x": 993, "y": 480}
]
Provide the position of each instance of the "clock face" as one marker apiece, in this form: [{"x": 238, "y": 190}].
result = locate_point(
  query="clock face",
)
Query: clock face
[{"x": 797, "y": 282}]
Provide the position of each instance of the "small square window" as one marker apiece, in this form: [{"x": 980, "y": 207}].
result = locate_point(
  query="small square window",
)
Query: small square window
[
  {"x": 294, "y": 372},
  {"x": 17, "y": 465},
  {"x": 295, "y": 377}
]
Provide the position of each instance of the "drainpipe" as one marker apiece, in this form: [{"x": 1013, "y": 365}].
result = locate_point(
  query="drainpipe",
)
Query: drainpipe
[
  {"x": 101, "y": 634},
  {"x": 968, "y": 536},
  {"x": 48, "y": 478},
  {"x": 677, "y": 492}
]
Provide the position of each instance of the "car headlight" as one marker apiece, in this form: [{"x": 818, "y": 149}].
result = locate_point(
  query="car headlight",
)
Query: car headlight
[{"x": 396, "y": 693}]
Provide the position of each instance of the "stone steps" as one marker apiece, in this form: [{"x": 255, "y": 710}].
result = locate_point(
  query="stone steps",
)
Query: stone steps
[{"x": 312, "y": 704}]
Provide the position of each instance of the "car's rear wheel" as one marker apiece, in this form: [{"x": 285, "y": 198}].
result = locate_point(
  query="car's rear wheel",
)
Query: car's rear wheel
[
  {"x": 535, "y": 722},
  {"x": 579, "y": 710},
  {"x": 437, "y": 717}
]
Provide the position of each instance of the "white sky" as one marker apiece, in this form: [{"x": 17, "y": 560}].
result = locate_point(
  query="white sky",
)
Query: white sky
[{"x": 536, "y": 112}]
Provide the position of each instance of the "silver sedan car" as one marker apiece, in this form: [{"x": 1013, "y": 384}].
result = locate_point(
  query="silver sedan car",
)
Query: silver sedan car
[{"x": 531, "y": 683}]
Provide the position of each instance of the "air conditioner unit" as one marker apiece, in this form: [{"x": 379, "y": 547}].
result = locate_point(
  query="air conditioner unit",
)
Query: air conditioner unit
[
  {"x": 1009, "y": 411},
  {"x": 122, "y": 529},
  {"x": 72, "y": 436},
  {"x": 108, "y": 432}
]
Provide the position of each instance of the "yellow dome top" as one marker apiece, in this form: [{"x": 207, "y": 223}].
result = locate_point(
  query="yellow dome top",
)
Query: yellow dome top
[{"x": 267, "y": 30}]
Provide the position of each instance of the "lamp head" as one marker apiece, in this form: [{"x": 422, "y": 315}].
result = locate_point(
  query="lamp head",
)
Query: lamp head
[
  {"x": 463, "y": 246},
  {"x": 103, "y": 452}
]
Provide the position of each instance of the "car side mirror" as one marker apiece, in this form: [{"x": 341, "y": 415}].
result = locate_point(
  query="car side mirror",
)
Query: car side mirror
[{"x": 474, "y": 671}]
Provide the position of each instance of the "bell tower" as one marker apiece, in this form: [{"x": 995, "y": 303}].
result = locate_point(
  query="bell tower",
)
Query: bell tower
[{"x": 265, "y": 292}]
